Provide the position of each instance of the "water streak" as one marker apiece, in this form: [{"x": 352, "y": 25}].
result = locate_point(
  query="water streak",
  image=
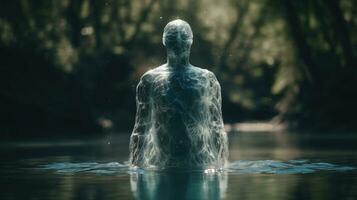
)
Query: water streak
[
  {"x": 88, "y": 167},
  {"x": 280, "y": 167},
  {"x": 236, "y": 167}
]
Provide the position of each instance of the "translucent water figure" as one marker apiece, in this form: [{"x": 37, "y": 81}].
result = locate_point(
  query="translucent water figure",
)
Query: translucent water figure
[{"x": 179, "y": 120}]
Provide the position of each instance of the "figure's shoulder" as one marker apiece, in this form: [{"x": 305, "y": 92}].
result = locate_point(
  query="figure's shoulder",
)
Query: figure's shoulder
[
  {"x": 203, "y": 72},
  {"x": 152, "y": 73}
]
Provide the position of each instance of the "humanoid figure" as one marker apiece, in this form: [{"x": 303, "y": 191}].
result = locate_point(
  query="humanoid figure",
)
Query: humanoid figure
[{"x": 179, "y": 120}]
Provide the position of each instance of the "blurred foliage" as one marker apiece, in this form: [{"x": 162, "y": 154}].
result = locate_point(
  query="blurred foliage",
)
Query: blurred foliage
[{"x": 72, "y": 65}]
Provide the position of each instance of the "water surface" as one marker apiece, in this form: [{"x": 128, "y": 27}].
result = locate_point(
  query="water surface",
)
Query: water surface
[{"x": 263, "y": 166}]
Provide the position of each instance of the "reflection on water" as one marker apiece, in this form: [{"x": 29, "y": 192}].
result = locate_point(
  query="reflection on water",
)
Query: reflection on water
[{"x": 178, "y": 185}]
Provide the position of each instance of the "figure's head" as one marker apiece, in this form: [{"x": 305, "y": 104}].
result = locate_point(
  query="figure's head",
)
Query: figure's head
[{"x": 177, "y": 36}]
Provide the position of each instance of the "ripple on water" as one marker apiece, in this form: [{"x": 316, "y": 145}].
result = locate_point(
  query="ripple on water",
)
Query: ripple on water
[
  {"x": 88, "y": 167},
  {"x": 280, "y": 167},
  {"x": 238, "y": 167}
]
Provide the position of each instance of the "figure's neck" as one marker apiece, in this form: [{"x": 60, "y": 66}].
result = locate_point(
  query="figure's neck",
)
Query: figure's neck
[{"x": 181, "y": 60}]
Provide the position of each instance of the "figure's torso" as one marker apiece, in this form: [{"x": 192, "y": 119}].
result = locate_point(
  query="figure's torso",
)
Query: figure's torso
[{"x": 180, "y": 103}]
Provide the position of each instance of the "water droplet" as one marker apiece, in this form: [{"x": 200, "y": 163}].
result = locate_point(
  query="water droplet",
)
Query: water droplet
[{"x": 161, "y": 17}]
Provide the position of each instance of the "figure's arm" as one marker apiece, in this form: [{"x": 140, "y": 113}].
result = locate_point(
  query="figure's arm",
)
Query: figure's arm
[
  {"x": 217, "y": 125},
  {"x": 142, "y": 121},
  {"x": 216, "y": 104}
]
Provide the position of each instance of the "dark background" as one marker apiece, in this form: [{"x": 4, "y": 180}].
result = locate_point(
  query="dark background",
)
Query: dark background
[{"x": 71, "y": 66}]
